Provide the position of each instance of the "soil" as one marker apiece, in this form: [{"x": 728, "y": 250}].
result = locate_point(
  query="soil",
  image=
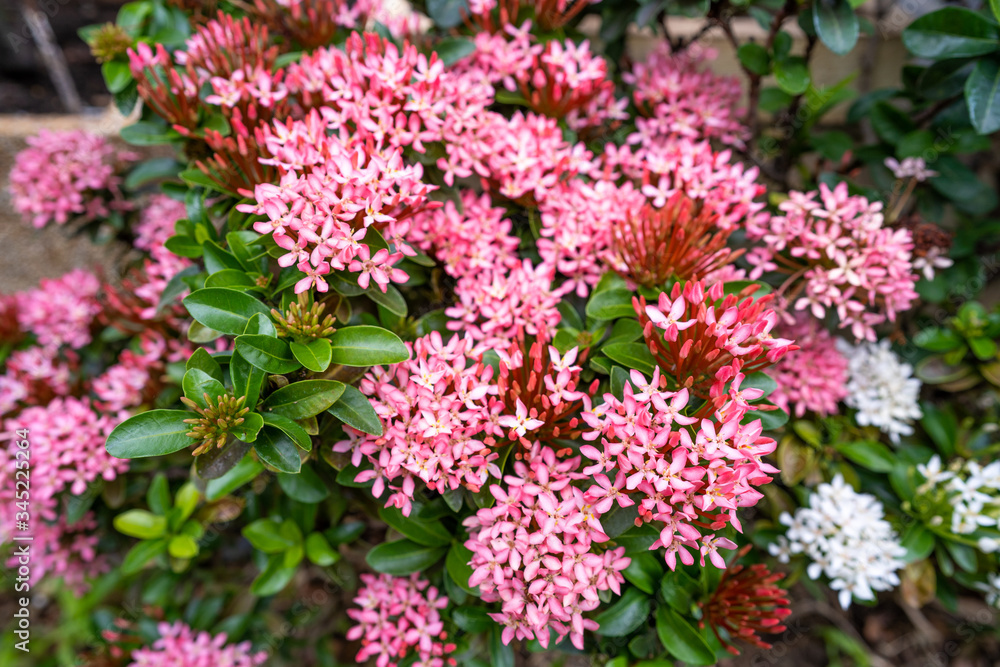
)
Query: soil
[{"x": 25, "y": 85}]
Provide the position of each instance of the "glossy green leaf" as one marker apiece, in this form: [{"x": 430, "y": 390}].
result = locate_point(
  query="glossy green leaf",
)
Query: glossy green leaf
[
  {"x": 792, "y": 75},
  {"x": 982, "y": 94},
  {"x": 354, "y": 409},
  {"x": 951, "y": 32},
  {"x": 625, "y": 615},
  {"x": 754, "y": 58},
  {"x": 319, "y": 551},
  {"x": 836, "y": 25},
  {"x": 268, "y": 354},
  {"x": 273, "y": 579},
  {"x": 141, "y": 524},
  {"x": 202, "y": 360},
  {"x": 244, "y": 472},
  {"x": 403, "y": 557},
  {"x": 277, "y": 450},
  {"x": 315, "y": 355},
  {"x": 367, "y": 346},
  {"x": 247, "y": 379},
  {"x": 427, "y": 533},
  {"x": 610, "y": 304},
  {"x": 681, "y": 639},
  {"x": 457, "y": 563},
  {"x": 197, "y": 383},
  {"x": 870, "y": 454},
  {"x": 223, "y": 309},
  {"x": 265, "y": 535},
  {"x": 289, "y": 427},
  {"x": 182, "y": 546},
  {"x": 304, "y": 487},
  {"x": 632, "y": 355},
  {"x": 153, "y": 433},
  {"x": 300, "y": 400}
]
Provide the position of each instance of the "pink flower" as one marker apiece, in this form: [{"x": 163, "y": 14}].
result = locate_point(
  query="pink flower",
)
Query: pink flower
[
  {"x": 180, "y": 646},
  {"x": 521, "y": 423}
]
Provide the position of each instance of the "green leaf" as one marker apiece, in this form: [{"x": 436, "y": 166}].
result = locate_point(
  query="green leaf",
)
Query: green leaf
[
  {"x": 681, "y": 639},
  {"x": 146, "y": 133},
  {"x": 247, "y": 379},
  {"x": 248, "y": 430},
  {"x": 158, "y": 495},
  {"x": 315, "y": 355},
  {"x": 453, "y": 49},
  {"x": 951, "y": 32},
  {"x": 198, "y": 178},
  {"x": 870, "y": 454},
  {"x": 182, "y": 546},
  {"x": 963, "y": 555},
  {"x": 937, "y": 339},
  {"x": 261, "y": 325},
  {"x": 268, "y": 354},
  {"x": 354, "y": 409},
  {"x": 142, "y": 553},
  {"x": 619, "y": 378},
  {"x": 148, "y": 171},
  {"x": 273, "y": 579},
  {"x": 204, "y": 361},
  {"x": 754, "y": 58},
  {"x": 611, "y": 304},
  {"x": 305, "y": 487},
  {"x": 890, "y": 123},
  {"x": 792, "y": 75},
  {"x": 472, "y": 619},
  {"x": 319, "y": 551},
  {"x": 958, "y": 183},
  {"x": 982, "y": 94},
  {"x": 632, "y": 355},
  {"x": 644, "y": 572},
  {"x": 245, "y": 471},
  {"x": 625, "y": 615},
  {"x": 223, "y": 309},
  {"x": 391, "y": 299},
  {"x": 427, "y": 533},
  {"x": 447, "y": 13},
  {"x": 186, "y": 501},
  {"x": 197, "y": 383},
  {"x": 290, "y": 428},
  {"x": 918, "y": 542},
  {"x": 236, "y": 279},
  {"x": 403, "y": 557},
  {"x": 501, "y": 655},
  {"x": 678, "y": 590},
  {"x": 153, "y": 433},
  {"x": 367, "y": 346},
  {"x": 457, "y": 563},
  {"x": 184, "y": 246},
  {"x": 836, "y": 24},
  {"x": 265, "y": 535},
  {"x": 277, "y": 450},
  {"x": 141, "y": 523},
  {"x": 301, "y": 400}
]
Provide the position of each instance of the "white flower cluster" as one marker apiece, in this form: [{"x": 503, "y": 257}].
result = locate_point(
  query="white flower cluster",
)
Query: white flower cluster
[
  {"x": 992, "y": 589},
  {"x": 845, "y": 536},
  {"x": 881, "y": 389},
  {"x": 972, "y": 494}
]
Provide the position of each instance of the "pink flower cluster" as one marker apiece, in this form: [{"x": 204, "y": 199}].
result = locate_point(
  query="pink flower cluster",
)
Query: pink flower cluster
[
  {"x": 434, "y": 408},
  {"x": 67, "y": 441},
  {"x": 684, "y": 165},
  {"x": 534, "y": 551},
  {"x": 689, "y": 475},
  {"x": 840, "y": 256},
  {"x": 61, "y": 175},
  {"x": 577, "y": 221},
  {"x": 135, "y": 377},
  {"x": 473, "y": 238},
  {"x": 399, "y": 618},
  {"x": 678, "y": 99},
  {"x": 706, "y": 338},
  {"x": 61, "y": 311},
  {"x": 180, "y": 646},
  {"x": 156, "y": 225},
  {"x": 812, "y": 378},
  {"x": 65, "y": 552},
  {"x": 495, "y": 306}
]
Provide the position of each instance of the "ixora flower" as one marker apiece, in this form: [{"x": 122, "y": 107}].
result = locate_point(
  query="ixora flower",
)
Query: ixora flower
[
  {"x": 747, "y": 603},
  {"x": 181, "y": 646},
  {"x": 839, "y": 256},
  {"x": 847, "y": 539},
  {"x": 881, "y": 388},
  {"x": 64, "y": 175},
  {"x": 969, "y": 492},
  {"x": 534, "y": 552},
  {"x": 399, "y": 618},
  {"x": 814, "y": 377}
]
